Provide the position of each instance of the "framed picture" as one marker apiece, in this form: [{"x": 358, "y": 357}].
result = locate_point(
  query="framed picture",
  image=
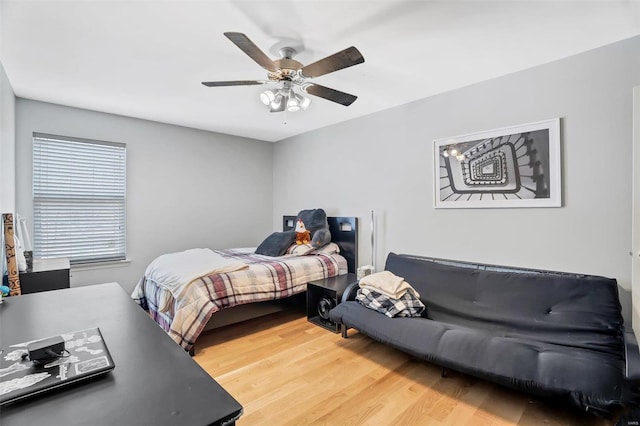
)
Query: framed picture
[{"x": 517, "y": 166}]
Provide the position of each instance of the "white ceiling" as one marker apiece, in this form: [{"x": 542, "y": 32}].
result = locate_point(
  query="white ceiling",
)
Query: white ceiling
[{"x": 146, "y": 59}]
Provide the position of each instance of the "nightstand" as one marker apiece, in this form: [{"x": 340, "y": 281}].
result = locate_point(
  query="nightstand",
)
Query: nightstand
[
  {"x": 323, "y": 295},
  {"x": 45, "y": 275}
]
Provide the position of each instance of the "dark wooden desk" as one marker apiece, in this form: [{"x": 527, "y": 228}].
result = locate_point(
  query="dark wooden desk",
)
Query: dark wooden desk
[{"x": 155, "y": 382}]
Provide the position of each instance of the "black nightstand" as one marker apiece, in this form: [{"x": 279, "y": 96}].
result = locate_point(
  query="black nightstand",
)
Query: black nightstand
[
  {"x": 45, "y": 275},
  {"x": 323, "y": 295}
]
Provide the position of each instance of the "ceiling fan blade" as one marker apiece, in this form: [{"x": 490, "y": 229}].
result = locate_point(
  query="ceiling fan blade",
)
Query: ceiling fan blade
[
  {"x": 344, "y": 59},
  {"x": 330, "y": 94},
  {"x": 254, "y": 52},
  {"x": 234, "y": 83}
]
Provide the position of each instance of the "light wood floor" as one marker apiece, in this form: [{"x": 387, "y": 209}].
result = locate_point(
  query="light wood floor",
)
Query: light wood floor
[{"x": 287, "y": 371}]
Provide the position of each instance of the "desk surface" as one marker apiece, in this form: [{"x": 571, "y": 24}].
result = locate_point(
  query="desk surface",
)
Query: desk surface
[{"x": 155, "y": 381}]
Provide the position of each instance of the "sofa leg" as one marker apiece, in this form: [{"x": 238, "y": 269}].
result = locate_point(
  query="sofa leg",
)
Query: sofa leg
[
  {"x": 445, "y": 372},
  {"x": 344, "y": 329}
]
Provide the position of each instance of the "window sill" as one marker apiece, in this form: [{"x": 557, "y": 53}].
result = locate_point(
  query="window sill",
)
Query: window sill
[{"x": 100, "y": 265}]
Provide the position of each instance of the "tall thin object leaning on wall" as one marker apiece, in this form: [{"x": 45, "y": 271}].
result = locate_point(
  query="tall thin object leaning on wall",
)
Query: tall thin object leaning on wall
[{"x": 12, "y": 265}]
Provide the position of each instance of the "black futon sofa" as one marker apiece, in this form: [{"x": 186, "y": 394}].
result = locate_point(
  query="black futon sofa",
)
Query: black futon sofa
[{"x": 551, "y": 334}]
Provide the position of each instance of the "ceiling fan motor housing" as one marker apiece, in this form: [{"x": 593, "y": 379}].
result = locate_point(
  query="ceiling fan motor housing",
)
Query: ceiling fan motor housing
[{"x": 288, "y": 69}]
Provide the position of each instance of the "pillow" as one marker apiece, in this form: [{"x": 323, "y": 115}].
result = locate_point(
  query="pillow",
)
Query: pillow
[
  {"x": 330, "y": 248},
  {"x": 304, "y": 249},
  {"x": 316, "y": 223},
  {"x": 276, "y": 244},
  {"x": 299, "y": 249}
]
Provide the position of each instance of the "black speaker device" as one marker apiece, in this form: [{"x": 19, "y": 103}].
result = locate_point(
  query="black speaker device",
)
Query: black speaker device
[{"x": 324, "y": 295}]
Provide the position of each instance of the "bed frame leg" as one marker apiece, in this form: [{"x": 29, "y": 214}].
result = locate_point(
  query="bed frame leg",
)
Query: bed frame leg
[
  {"x": 344, "y": 329},
  {"x": 192, "y": 351},
  {"x": 445, "y": 372}
]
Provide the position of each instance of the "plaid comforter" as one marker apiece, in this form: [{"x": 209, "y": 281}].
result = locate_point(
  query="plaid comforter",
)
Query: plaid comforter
[{"x": 267, "y": 278}]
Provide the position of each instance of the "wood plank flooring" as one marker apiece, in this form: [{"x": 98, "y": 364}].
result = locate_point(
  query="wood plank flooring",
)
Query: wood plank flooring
[{"x": 287, "y": 371}]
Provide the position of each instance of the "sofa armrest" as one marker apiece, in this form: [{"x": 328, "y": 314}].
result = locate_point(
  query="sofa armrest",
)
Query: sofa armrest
[
  {"x": 350, "y": 292},
  {"x": 632, "y": 355}
]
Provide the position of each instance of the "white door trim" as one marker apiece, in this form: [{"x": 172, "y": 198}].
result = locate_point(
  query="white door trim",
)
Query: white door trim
[{"x": 635, "y": 217}]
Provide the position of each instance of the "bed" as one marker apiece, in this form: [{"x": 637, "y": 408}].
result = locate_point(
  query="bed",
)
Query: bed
[{"x": 264, "y": 287}]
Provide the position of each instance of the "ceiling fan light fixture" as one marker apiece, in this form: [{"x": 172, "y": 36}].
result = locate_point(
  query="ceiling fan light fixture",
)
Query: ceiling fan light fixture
[
  {"x": 267, "y": 97},
  {"x": 293, "y": 104},
  {"x": 305, "y": 103},
  {"x": 276, "y": 102}
]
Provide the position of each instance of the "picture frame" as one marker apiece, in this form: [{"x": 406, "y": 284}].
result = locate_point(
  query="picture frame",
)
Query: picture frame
[{"x": 515, "y": 166}]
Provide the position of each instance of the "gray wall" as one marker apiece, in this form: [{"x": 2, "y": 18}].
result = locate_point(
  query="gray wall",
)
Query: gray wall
[
  {"x": 7, "y": 154},
  {"x": 384, "y": 162},
  {"x": 7, "y": 143},
  {"x": 186, "y": 188}
]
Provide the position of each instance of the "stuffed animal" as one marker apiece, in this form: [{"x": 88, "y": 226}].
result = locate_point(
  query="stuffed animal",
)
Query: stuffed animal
[
  {"x": 303, "y": 236},
  {"x": 316, "y": 222}
]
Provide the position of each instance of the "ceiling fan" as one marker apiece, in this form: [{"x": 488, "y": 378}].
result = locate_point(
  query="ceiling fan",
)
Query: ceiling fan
[{"x": 291, "y": 73}]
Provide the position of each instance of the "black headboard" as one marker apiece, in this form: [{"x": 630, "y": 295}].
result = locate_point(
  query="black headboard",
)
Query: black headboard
[{"x": 344, "y": 232}]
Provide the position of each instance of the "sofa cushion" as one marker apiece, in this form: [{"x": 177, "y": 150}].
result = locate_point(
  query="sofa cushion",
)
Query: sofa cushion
[
  {"x": 578, "y": 310},
  {"x": 587, "y": 377}
]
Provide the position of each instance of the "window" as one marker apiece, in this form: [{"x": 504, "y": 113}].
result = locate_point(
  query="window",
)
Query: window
[{"x": 78, "y": 199}]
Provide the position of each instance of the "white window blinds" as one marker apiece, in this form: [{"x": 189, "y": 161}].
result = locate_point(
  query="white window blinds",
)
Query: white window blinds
[{"x": 78, "y": 199}]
